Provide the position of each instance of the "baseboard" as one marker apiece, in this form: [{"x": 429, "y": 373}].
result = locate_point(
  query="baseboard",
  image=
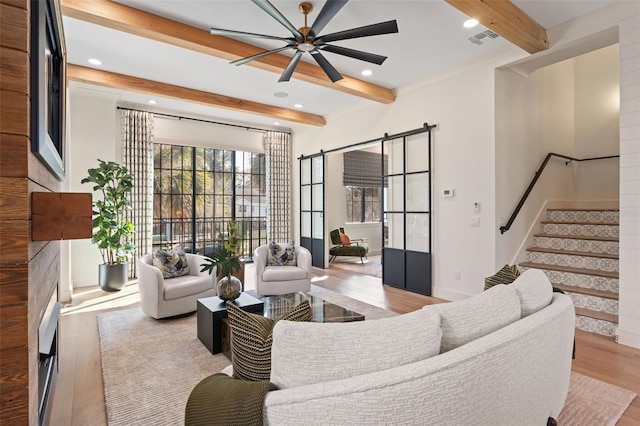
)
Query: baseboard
[
  {"x": 446, "y": 294},
  {"x": 628, "y": 338}
]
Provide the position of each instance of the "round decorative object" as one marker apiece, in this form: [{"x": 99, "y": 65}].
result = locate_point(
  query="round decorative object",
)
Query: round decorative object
[{"x": 229, "y": 289}]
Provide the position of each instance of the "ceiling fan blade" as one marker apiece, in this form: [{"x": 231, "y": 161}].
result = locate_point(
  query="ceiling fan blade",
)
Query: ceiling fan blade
[
  {"x": 329, "y": 10},
  {"x": 237, "y": 34},
  {"x": 380, "y": 28},
  {"x": 356, "y": 54},
  {"x": 288, "y": 72},
  {"x": 275, "y": 14},
  {"x": 328, "y": 69},
  {"x": 259, "y": 55}
]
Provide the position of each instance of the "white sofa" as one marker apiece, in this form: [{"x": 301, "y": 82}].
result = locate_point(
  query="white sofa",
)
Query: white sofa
[
  {"x": 276, "y": 280},
  {"x": 162, "y": 298},
  {"x": 504, "y": 359}
]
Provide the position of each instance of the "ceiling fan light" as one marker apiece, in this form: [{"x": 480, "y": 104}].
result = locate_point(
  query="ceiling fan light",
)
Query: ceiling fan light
[{"x": 306, "y": 46}]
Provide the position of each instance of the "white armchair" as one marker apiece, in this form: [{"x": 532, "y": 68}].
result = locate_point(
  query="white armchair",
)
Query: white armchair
[
  {"x": 161, "y": 298},
  {"x": 275, "y": 280}
]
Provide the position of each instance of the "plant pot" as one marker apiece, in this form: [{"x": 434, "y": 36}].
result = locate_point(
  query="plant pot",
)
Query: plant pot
[
  {"x": 113, "y": 277},
  {"x": 229, "y": 289}
]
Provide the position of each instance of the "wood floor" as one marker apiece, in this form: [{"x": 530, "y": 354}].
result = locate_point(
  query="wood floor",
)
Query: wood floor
[{"x": 79, "y": 398}]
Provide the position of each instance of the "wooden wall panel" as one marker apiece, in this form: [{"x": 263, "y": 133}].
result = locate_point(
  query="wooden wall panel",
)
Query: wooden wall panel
[
  {"x": 14, "y": 289},
  {"x": 14, "y": 114},
  {"x": 14, "y": 25},
  {"x": 14, "y": 381},
  {"x": 14, "y": 161},
  {"x": 44, "y": 273},
  {"x": 14, "y": 199},
  {"x": 14, "y": 241},
  {"x": 13, "y": 320},
  {"x": 14, "y": 66},
  {"x": 39, "y": 173}
]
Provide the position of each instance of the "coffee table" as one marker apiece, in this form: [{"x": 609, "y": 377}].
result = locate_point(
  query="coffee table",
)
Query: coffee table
[
  {"x": 210, "y": 313},
  {"x": 276, "y": 306}
]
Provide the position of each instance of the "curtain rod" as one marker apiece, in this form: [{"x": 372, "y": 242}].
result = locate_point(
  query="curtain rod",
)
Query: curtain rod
[
  {"x": 179, "y": 117},
  {"x": 425, "y": 128}
]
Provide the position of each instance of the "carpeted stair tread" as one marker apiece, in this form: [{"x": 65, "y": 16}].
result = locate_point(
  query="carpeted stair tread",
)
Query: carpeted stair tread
[
  {"x": 573, "y": 252},
  {"x": 588, "y": 291},
  {"x": 597, "y": 315},
  {"x": 578, "y": 237},
  {"x": 585, "y": 271}
]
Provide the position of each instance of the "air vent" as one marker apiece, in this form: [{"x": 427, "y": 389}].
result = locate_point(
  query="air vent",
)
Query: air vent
[{"x": 480, "y": 38}]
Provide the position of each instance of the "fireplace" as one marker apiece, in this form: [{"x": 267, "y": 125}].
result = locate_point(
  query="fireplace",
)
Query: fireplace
[{"x": 48, "y": 359}]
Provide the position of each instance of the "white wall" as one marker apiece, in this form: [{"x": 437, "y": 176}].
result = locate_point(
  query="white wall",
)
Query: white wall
[
  {"x": 95, "y": 128},
  {"x": 597, "y": 131},
  {"x": 462, "y": 105},
  {"x": 629, "y": 316}
]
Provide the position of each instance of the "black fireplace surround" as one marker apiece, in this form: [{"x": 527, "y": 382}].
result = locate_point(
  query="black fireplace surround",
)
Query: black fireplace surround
[{"x": 48, "y": 358}]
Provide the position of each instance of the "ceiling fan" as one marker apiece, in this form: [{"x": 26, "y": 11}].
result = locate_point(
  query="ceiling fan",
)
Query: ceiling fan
[{"x": 307, "y": 39}]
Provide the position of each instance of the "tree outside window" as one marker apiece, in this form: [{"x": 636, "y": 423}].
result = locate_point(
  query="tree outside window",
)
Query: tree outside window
[{"x": 363, "y": 204}]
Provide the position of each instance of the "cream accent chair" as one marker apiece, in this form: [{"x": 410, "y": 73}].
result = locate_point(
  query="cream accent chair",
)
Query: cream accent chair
[
  {"x": 161, "y": 298},
  {"x": 275, "y": 280}
]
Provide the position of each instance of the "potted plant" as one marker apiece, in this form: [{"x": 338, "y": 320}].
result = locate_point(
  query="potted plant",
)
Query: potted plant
[
  {"x": 225, "y": 259},
  {"x": 111, "y": 231}
]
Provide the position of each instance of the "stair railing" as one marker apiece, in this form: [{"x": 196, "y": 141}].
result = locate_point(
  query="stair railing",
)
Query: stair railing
[{"x": 507, "y": 226}]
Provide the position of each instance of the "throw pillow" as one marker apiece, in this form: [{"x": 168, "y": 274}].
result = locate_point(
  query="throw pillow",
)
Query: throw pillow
[
  {"x": 172, "y": 263},
  {"x": 469, "y": 319},
  {"x": 306, "y": 353},
  {"x": 345, "y": 240},
  {"x": 534, "y": 290},
  {"x": 282, "y": 254},
  {"x": 251, "y": 339},
  {"x": 506, "y": 275}
]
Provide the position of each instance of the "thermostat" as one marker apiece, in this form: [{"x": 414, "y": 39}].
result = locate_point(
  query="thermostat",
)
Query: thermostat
[{"x": 447, "y": 193}]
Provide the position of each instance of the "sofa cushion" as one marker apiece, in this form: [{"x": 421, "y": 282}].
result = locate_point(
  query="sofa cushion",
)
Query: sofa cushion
[
  {"x": 282, "y": 254},
  {"x": 469, "y": 319},
  {"x": 305, "y": 353},
  {"x": 187, "y": 285},
  {"x": 283, "y": 273},
  {"x": 534, "y": 290},
  {"x": 506, "y": 275},
  {"x": 251, "y": 338},
  {"x": 172, "y": 263}
]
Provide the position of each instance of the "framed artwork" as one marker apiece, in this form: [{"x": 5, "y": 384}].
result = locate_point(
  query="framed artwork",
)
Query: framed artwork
[{"x": 48, "y": 85}]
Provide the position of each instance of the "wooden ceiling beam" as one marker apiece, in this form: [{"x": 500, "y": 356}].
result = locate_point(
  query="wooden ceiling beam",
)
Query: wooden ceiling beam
[
  {"x": 133, "y": 21},
  {"x": 155, "y": 88},
  {"x": 506, "y": 19}
]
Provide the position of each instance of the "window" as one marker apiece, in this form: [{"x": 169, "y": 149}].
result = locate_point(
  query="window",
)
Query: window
[
  {"x": 197, "y": 191},
  {"x": 363, "y": 204}
]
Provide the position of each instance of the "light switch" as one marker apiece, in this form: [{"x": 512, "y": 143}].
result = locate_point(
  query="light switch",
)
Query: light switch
[
  {"x": 447, "y": 193},
  {"x": 475, "y": 221}
]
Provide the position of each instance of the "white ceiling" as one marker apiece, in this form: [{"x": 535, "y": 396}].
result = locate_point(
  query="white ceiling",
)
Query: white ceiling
[{"x": 431, "y": 39}]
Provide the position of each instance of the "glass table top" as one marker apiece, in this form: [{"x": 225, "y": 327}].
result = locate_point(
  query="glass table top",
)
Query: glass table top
[{"x": 321, "y": 310}]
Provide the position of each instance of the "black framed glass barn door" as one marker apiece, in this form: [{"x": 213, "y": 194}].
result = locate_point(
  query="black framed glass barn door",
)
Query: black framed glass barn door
[
  {"x": 406, "y": 251},
  {"x": 312, "y": 207}
]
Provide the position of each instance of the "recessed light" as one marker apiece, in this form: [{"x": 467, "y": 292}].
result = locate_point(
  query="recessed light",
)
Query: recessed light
[
  {"x": 281, "y": 94},
  {"x": 152, "y": 102},
  {"x": 470, "y": 23},
  {"x": 366, "y": 73},
  {"x": 298, "y": 105},
  {"x": 95, "y": 61},
  {"x": 275, "y": 123}
]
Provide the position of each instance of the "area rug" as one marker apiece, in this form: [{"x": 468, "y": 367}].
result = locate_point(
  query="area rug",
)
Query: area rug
[
  {"x": 150, "y": 366},
  {"x": 593, "y": 403},
  {"x": 371, "y": 266}
]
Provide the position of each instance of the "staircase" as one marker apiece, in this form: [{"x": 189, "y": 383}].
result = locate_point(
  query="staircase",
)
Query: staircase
[{"x": 578, "y": 250}]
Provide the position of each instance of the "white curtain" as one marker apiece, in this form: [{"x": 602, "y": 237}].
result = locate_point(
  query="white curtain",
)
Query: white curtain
[
  {"x": 137, "y": 142},
  {"x": 277, "y": 148}
]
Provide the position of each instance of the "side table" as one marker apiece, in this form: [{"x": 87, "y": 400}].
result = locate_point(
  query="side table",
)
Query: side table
[{"x": 210, "y": 313}]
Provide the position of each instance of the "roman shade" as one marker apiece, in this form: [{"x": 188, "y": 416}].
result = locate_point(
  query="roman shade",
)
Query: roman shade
[{"x": 364, "y": 169}]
